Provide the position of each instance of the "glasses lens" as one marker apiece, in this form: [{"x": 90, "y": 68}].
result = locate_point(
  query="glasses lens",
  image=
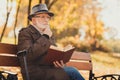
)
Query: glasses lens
[{"x": 43, "y": 17}]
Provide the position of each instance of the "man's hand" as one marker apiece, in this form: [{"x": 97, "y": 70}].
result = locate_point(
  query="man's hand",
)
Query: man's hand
[
  {"x": 48, "y": 31},
  {"x": 59, "y": 64}
]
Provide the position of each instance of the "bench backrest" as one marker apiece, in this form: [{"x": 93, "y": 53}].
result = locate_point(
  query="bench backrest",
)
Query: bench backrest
[
  {"x": 8, "y": 55},
  {"x": 81, "y": 60}
]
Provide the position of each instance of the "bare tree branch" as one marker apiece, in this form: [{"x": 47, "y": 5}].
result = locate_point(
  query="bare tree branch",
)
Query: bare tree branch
[
  {"x": 40, "y": 1},
  {"x": 16, "y": 19},
  {"x": 29, "y": 6},
  {"x": 8, "y": 12},
  {"x": 49, "y": 4}
]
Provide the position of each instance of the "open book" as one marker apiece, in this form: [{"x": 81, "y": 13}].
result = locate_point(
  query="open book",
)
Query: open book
[{"x": 57, "y": 54}]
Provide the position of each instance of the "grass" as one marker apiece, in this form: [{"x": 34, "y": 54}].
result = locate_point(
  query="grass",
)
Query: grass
[{"x": 104, "y": 63}]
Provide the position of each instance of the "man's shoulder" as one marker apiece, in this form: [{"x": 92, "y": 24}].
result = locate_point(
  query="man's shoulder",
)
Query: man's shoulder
[
  {"x": 25, "y": 29},
  {"x": 29, "y": 29}
]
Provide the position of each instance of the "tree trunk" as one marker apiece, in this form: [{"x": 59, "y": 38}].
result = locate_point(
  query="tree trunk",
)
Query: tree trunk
[
  {"x": 16, "y": 19},
  {"x": 8, "y": 12},
  {"x": 29, "y": 6}
]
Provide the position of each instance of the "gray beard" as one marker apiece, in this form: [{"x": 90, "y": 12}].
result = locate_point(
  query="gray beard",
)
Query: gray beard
[{"x": 41, "y": 26}]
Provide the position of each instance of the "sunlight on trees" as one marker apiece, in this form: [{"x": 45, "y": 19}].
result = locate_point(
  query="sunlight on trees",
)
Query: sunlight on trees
[{"x": 70, "y": 17}]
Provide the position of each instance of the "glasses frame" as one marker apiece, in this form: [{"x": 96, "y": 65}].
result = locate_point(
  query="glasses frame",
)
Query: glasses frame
[{"x": 43, "y": 17}]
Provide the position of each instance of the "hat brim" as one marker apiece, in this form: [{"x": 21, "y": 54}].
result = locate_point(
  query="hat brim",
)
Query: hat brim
[{"x": 32, "y": 15}]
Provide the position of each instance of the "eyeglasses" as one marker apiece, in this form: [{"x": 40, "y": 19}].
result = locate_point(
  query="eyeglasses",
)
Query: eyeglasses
[{"x": 43, "y": 17}]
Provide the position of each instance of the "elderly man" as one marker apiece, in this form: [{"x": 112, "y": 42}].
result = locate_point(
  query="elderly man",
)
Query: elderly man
[{"x": 36, "y": 40}]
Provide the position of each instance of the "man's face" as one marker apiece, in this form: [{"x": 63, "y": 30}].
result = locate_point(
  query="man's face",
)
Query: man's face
[{"x": 41, "y": 20}]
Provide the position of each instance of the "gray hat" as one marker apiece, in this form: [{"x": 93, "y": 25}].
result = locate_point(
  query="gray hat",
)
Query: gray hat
[{"x": 40, "y": 8}]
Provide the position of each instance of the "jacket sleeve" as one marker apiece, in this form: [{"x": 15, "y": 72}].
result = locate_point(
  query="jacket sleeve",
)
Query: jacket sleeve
[{"x": 35, "y": 49}]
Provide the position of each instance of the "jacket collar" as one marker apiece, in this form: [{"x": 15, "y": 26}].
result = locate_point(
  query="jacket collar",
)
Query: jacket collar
[{"x": 34, "y": 30}]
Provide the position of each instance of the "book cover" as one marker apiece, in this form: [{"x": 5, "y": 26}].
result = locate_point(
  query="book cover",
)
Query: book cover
[{"x": 57, "y": 54}]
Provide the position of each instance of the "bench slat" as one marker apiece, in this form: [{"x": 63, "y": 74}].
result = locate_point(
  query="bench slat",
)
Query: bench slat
[
  {"x": 80, "y": 65},
  {"x": 8, "y": 55},
  {"x": 8, "y": 48},
  {"x": 9, "y": 61},
  {"x": 81, "y": 56}
]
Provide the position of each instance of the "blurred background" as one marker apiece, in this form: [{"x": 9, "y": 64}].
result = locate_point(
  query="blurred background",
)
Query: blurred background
[{"x": 90, "y": 25}]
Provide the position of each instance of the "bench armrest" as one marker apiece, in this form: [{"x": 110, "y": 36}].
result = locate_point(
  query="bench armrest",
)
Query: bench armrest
[
  {"x": 22, "y": 53},
  {"x": 8, "y": 72}
]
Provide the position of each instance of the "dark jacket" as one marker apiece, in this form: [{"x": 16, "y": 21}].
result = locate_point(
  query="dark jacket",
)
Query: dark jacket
[{"x": 37, "y": 45}]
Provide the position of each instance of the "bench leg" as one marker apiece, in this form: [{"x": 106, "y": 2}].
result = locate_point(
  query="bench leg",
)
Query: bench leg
[{"x": 91, "y": 75}]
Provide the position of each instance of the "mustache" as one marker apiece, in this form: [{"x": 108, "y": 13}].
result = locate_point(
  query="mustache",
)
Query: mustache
[{"x": 42, "y": 25}]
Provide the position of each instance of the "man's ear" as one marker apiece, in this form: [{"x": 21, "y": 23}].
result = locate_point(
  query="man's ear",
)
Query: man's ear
[{"x": 33, "y": 20}]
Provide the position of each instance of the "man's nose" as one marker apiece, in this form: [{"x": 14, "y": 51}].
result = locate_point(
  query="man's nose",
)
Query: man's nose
[{"x": 46, "y": 19}]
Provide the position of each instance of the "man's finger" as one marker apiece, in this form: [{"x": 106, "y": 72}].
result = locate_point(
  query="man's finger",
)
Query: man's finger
[
  {"x": 59, "y": 64},
  {"x": 55, "y": 64},
  {"x": 62, "y": 63}
]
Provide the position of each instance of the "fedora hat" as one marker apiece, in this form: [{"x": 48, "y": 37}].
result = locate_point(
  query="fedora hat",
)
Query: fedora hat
[{"x": 40, "y": 8}]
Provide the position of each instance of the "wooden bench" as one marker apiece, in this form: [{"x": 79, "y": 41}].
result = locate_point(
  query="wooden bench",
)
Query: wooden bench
[{"x": 80, "y": 60}]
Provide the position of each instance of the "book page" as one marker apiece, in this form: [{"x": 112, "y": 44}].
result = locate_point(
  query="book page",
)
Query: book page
[
  {"x": 56, "y": 48},
  {"x": 66, "y": 48}
]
